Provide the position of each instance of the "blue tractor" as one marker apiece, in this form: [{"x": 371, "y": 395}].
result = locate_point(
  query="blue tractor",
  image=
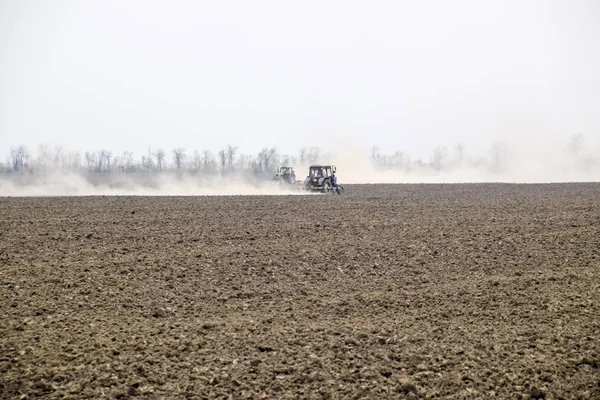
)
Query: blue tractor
[{"x": 321, "y": 178}]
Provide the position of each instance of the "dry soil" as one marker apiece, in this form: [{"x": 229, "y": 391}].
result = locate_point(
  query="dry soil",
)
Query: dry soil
[{"x": 389, "y": 291}]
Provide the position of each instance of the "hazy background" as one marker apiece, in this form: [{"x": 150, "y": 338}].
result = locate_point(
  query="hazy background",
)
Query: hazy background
[{"x": 342, "y": 75}]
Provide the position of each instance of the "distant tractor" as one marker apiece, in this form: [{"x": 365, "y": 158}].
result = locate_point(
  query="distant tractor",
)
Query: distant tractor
[
  {"x": 321, "y": 178},
  {"x": 285, "y": 175}
]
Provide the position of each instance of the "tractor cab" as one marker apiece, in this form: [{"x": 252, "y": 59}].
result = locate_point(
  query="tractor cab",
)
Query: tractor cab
[
  {"x": 321, "y": 171},
  {"x": 285, "y": 171},
  {"x": 285, "y": 174},
  {"x": 322, "y": 178}
]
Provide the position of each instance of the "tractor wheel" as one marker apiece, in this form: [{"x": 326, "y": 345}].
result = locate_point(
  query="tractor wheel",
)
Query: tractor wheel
[
  {"x": 339, "y": 189},
  {"x": 327, "y": 187}
]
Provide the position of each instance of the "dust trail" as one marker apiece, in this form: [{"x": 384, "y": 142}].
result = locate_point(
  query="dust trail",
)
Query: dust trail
[
  {"x": 516, "y": 163},
  {"x": 63, "y": 183}
]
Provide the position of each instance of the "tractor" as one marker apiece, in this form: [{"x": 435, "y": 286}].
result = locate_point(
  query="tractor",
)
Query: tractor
[
  {"x": 321, "y": 178},
  {"x": 285, "y": 175}
]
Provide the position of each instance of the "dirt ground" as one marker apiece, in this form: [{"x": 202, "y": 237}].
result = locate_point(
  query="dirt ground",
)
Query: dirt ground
[{"x": 389, "y": 291}]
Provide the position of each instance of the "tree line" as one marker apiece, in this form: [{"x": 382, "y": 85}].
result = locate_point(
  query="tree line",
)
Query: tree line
[
  {"x": 45, "y": 158},
  {"x": 499, "y": 156}
]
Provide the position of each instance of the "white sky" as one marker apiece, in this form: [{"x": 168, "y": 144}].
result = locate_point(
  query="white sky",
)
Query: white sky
[{"x": 403, "y": 75}]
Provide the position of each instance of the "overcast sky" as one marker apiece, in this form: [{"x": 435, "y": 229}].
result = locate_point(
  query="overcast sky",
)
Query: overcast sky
[{"x": 406, "y": 75}]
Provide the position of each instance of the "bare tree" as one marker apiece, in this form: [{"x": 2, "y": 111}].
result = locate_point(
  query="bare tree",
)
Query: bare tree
[
  {"x": 108, "y": 157},
  {"x": 103, "y": 161},
  {"x": 99, "y": 161},
  {"x": 159, "y": 155},
  {"x": 314, "y": 154},
  {"x": 222, "y": 159},
  {"x": 90, "y": 159},
  {"x": 230, "y": 156},
  {"x": 196, "y": 161},
  {"x": 72, "y": 161},
  {"x": 396, "y": 160},
  {"x": 147, "y": 163},
  {"x": 19, "y": 157},
  {"x": 273, "y": 158},
  {"x": 43, "y": 158},
  {"x": 439, "y": 157},
  {"x": 460, "y": 152},
  {"x": 178, "y": 157},
  {"x": 117, "y": 164},
  {"x": 263, "y": 160},
  {"x": 267, "y": 160},
  {"x": 59, "y": 157},
  {"x": 375, "y": 153},
  {"x": 208, "y": 161},
  {"x": 123, "y": 163},
  {"x": 303, "y": 154},
  {"x": 409, "y": 164},
  {"x": 127, "y": 161},
  {"x": 244, "y": 162}
]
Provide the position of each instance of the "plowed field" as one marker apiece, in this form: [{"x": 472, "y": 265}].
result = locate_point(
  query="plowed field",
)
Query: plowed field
[{"x": 389, "y": 291}]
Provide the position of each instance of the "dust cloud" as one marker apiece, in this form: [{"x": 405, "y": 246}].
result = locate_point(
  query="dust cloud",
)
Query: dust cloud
[
  {"x": 64, "y": 183},
  {"x": 507, "y": 163},
  {"x": 548, "y": 161}
]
